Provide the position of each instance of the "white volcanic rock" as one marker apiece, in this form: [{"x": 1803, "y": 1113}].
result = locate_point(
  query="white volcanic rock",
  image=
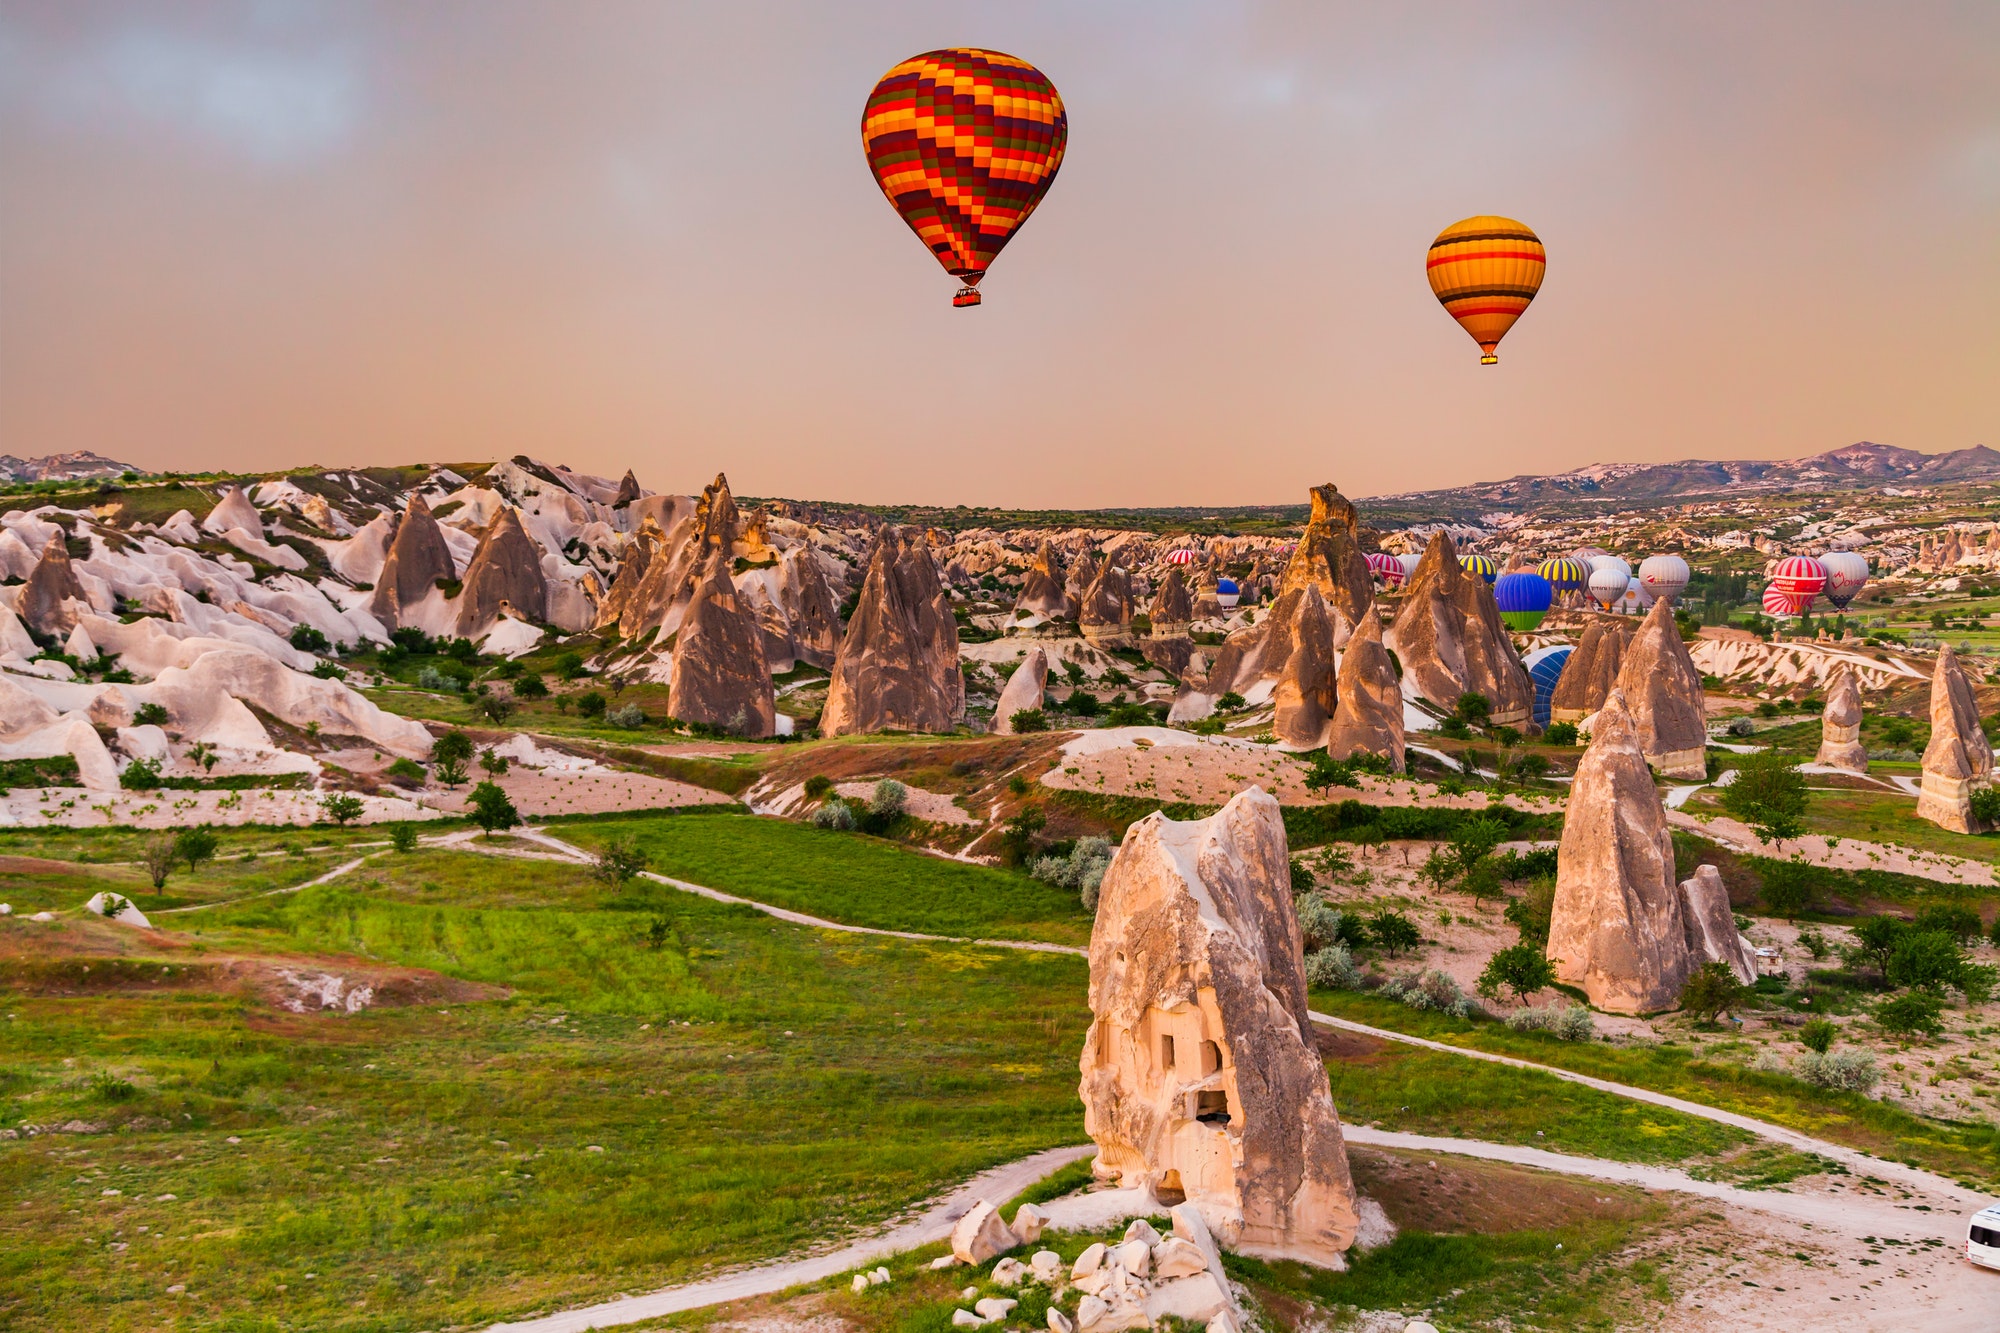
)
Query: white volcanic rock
[
  {"x": 200, "y": 693},
  {"x": 181, "y": 528},
  {"x": 128, "y": 913},
  {"x": 504, "y": 578},
  {"x": 1025, "y": 690},
  {"x": 359, "y": 558},
  {"x": 31, "y": 729},
  {"x": 510, "y": 638},
  {"x": 14, "y": 637},
  {"x": 1712, "y": 936},
  {"x": 79, "y": 646},
  {"x": 981, "y": 1235},
  {"x": 418, "y": 557},
  {"x": 284, "y": 557},
  {"x": 1959, "y": 759},
  {"x": 1663, "y": 690},
  {"x": 1199, "y": 1072},
  {"x": 1618, "y": 928},
  {"x": 1840, "y": 725},
  {"x": 234, "y": 510}
]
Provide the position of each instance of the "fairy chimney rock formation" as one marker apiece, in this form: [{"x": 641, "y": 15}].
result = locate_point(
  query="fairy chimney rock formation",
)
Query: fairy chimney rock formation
[
  {"x": 505, "y": 574},
  {"x": 628, "y": 491},
  {"x": 51, "y": 584},
  {"x": 1663, "y": 690},
  {"x": 811, "y": 607},
  {"x": 1451, "y": 640},
  {"x": 1207, "y": 596},
  {"x": 720, "y": 677},
  {"x": 1082, "y": 573},
  {"x": 1368, "y": 719},
  {"x": 234, "y": 510},
  {"x": 1304, "y": 694},
  {"x": 1169, "y": 644},
  {"x": 1618, "y": 928},
  {"x": 1840, "y": 725},
  {"x": 1201, "y": 1078},
  {"x": 1023, "y": 691},
  {"x": 898, "y": 663},
  {"x": 1712, "y": 936},
  {"x": 1959, "y": 759},
  {"x": 417, "y": 559},
  {"x": 1591, "y": 671},
  {"x": 1105, "y": 612},
  {"x": 1042, "y": 586},
  {"x": 1329, "y": 557}
]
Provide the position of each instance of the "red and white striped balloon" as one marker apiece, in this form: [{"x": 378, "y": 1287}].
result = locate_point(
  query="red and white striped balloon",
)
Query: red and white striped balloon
[
  {"x": 1802, "y": 577},
  {"x": 1385, "y": 567},
  {"x": 1180, "y": 557},
  {"x": 1780, "y": 602}
]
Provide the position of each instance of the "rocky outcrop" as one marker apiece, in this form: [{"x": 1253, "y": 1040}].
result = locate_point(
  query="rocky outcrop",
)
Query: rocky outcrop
[
  {"x": 898, "y": 663},
  {"x": 1663, "y": 690},
  {"x": 1368, "y": 718},
  {"x": 1041, "y": 586},
  {"x": 1169, "y": 644},
  {"x": 1200, "y": 1076},
  {"x": 1959, "y": 759},
  {"x": 812, "y": 611},
  {"x": 1451, "y": 641},
  {"x": 1329, "y": 558},
  {"x": 51, "y": 586},
  {"x": 720, "y": 677},
  {"x": 505, "y": 576},
  {"x": 1105, "y": 615},
  {"x": 628, "y": 491},
  {"x": 1712, "y": 936},
  {"x": 1082, "y": 573},
  {"x": 418, "y": 558},
  {"x": 1207, "y": 600},
  {"x": 1591, "y": 671},
  {"x": 1304, "y": 695},
  {"x": 677, "y": 543},
  {"x": 234, "y": 511},
  {"x": 1618, "y": 929},
  {"x": 1024, "y": 691},
  {"x": 1840, "y": 725}
]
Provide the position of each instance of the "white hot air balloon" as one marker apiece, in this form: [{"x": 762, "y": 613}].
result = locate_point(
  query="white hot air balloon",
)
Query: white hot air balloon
[
  {"x": 1663, "y": 576},
  {"x": 1618, "y": 563},
  {"x": 1409, "y": 564},
  {"x": 1846, "y": 571},
  {"x": 1608, "y": 584}
]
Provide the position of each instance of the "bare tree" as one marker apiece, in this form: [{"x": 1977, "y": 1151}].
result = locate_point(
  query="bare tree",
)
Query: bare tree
[{"x": 160, "y": 856}]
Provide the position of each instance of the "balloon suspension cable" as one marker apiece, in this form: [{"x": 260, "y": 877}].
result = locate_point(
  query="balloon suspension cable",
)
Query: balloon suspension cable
[{"x": 966, "y": 296}]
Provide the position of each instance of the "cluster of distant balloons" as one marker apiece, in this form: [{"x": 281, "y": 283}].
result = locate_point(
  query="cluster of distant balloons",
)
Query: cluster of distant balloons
[{"x": 965, "y": 143}]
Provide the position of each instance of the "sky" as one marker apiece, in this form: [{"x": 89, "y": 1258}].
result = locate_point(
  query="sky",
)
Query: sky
[{"x": 273, "y": 233}]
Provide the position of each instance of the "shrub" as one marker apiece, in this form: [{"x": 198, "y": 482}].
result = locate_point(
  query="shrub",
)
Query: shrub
[
  {"x": 341, "y": 807},
  {"x": 1330, "y": 773},
  {"x": 1818, "y": 1035},
  {"x": 328, "y": 671},
  {"x": 149, "y": 715},
  {"x": 1769, "y": 794},
  {"x": 403, "y": 836},
  {"x": 1332, "y": 968},
  {"x": 1711, "y": 989},
  {"x": 1875, "y": 939},
  {"x": 818, "y": 787},
  {"x": 1229, "y": 701},
  {"x": 1564, "y": 1022},
  {"x": 491, "y": 809},
  {"x": 1026, "y": 720},
  {"x": 1431, "y": 990},
  {"x": 1918, "y": 1012},
  {"x": 1082, "y": 703},
  {"x": 1849, "y": 1071},
  {"x": 1813, "y": 943},
  {"x": 1083, "y": 869},
  {"x": 496, "y": 709},
  {"x": 107, "y": 1087},
  {"x": 308, "y": 640},
  {"x": 430, "y": 678},
  {"x": 1986, "y": 806},
  {"x": 1521, "y": 968},
  {"x": 618, "y": 862},
  {"x": 629, "y": 718},
  {"x": 494, "y": 764},
  {"x": 1394, "y": 931},
  {"x": 141, "y": 775},
  {"x": 888, "y": 799},
  {"x": 1302, "y": 878},
  {"x": 160, "y": 855},
  {"x": 1530, "y": 912},
  {"x": 531, "y": 686},
  {"x": 1018, "y": 840},
  {"x": 195, "y": 845},
  {"x": 1473, "y": 707},
  {"x": 569, "y": 666},
  {"x": 1560, "y": 733},
  {"x": 833, "y": 814},
  {"x": 1319, "y": 923},
  {"x": 405, "y": 770},
  {"x": 590, "y": 703},
  {"x": 1788, "y": 886},
  {"x": 1961, "y": 923}
]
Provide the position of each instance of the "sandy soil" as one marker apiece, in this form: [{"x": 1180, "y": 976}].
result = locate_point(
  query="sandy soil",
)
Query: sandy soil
[
  {"x": 79, "y": 807},
  {"x": 1840, "y": 853},
  {"x": 590, "y": 791},
  {"x": 930, "y": 806}
]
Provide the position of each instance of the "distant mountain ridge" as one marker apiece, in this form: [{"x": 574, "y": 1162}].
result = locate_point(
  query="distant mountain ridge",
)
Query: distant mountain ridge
[
  {"x": 61, "y": 467},
  {"x": 1857, "y": 465}
]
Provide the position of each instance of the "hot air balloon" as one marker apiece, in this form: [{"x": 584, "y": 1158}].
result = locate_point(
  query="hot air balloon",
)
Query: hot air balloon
[
  {"x": 1409, "y": 564},
  {"x": 1564, "y": 573},
  {"x": 1778, "y": 602},
  {"x": 1619, "y": 563},
  {"x": 1485, "y": 270},
  {"x": 1481, "y": 565},
  {"x": 1663, "y": 576},
  {"x": 1180, "y": 557},
  {"x": 1524, "y": 599},
  {"x": 1608, "y": 584},
  {"x": 1227, "y": 593},
  {"x": 965, "y": 143},
  {"x": 1801, "y": 577},
  {"x": 1846, "y": 572},
  {"x": 1545, "y": 667},
  {"x": 1385, "y": 567}
]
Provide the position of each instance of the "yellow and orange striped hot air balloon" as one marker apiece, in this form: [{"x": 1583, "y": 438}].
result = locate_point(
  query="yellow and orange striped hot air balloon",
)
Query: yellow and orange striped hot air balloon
[{"x": 1484, "y": 271}]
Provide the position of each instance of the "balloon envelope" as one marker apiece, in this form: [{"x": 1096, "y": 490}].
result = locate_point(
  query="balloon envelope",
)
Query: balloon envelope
[
  {"x": 1800, "y": 576},
  {"x": 1409, "y": 563},
  {"x": 1524, "y": 599},
  {"x": 1607, "y": 585},
  {"x": 1618, "y": 563},
  {"x": 1385, "y": 567},
  {"x": 1545, "y": 668},
  {"x": 1484, "y": 271},
  {"x": 1564, "y": 572},
  {"x": 965, "y": 143},
  {"x": 1664, "y": 576},
  {"x": 1782, "y": 602},
  {"x": 1846, "y": 572},
  {"x": 1481, "y": 565}
]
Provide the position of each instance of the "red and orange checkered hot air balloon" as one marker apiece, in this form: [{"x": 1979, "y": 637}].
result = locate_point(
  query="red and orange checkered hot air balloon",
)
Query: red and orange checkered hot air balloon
[
  {"x": 1485, "y": 270},
  {"x": 965, "y": 143}
]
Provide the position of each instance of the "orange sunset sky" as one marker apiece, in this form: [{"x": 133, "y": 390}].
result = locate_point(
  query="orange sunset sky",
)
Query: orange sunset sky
[{"x": 262, "y": 234}]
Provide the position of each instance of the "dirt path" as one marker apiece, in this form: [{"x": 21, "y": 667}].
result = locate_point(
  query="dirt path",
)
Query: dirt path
[{"x": 933, "y": 1224}]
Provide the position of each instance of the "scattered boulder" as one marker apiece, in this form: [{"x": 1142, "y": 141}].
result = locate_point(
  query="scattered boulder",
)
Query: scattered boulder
[
  {"x": 720, "y": 677},
  {"x": 1199, "y": 1073},
  {"x": 505, "y": 576},
  {"x": 418, "y": 557},
  {"x": 1959, "y": 759},
  {"x": 116, "y": 907},
  {"x": 1451, "y": 640},
  {"x": 1618, "y": 928},
  {"x": 981, "y": 1235},
  {"x": 898, "y": 663},
  {"x": 1041, "y": 586},
  {"x": 1840, "y": 725},
  {"x": 1024, "y": 690},
  {"x": 1028, "y": 1224},
  {"x": 1591, "y": 671},
  {"x": 1663, "y": 690},
  {"x": 1368, "y": 719},
  {"x": 1304, "y": 695},
  {"x": 48, "y": 601},
  {"x": 1712, "y": 936}
]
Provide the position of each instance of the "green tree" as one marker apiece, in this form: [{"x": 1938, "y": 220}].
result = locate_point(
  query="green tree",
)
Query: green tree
[
  {"x": 1473, "y": 708},
  {"x": 590, "y": 703},
  {"x": 341, "y": 807},
  {"x": 618, "y": 862},
  {"x": 1017, "y": 843},
  {"x": 140, "y": 775},
  {"x": 1769, "y": 794},
  {"x": 1394, "y": 932},
  {"x": 1918, "y": 1013},
  {"x": 1818, "y": 1035},
  {"x": 1875, "y": 939},
  {"x": 1925, "y": 960},
  {"x": 1560, "y": 733},
  {"x": 1327, "y": 773},
  {"x": 450, "y": 753},
  {"x": 403, "y": 836},
  {"x": 195, "y": 845},
  {"x": 531, "y": 686},
  {"x": 1521, "y": 968},
  {"x": 1961, "y": 923},
  {"x": 160, "y": 855},
  {"x": 496, "y": 709},
  {"x": 494, "y": 764},
  {"x": 1788, "y": 886},
  {"x": 1530, "y": 913},
  {"x": 569, "y": 666},
  {"x": 491, "y": 809},
  {"x": 1711, "y": 990},
  {"x": 1026, "y": 720}
]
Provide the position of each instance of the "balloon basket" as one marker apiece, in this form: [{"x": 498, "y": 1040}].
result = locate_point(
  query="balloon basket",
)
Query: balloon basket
[
  {"x": 966, "y": 296},
  {"x": 1489, "y": 360}
]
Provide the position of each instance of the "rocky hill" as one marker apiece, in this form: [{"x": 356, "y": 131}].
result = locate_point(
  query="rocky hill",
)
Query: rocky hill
[{"x": 81, "y": 465}]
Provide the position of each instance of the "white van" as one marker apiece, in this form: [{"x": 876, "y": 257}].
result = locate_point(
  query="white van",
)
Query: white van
[{"x": 1982, "y": 1238}]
